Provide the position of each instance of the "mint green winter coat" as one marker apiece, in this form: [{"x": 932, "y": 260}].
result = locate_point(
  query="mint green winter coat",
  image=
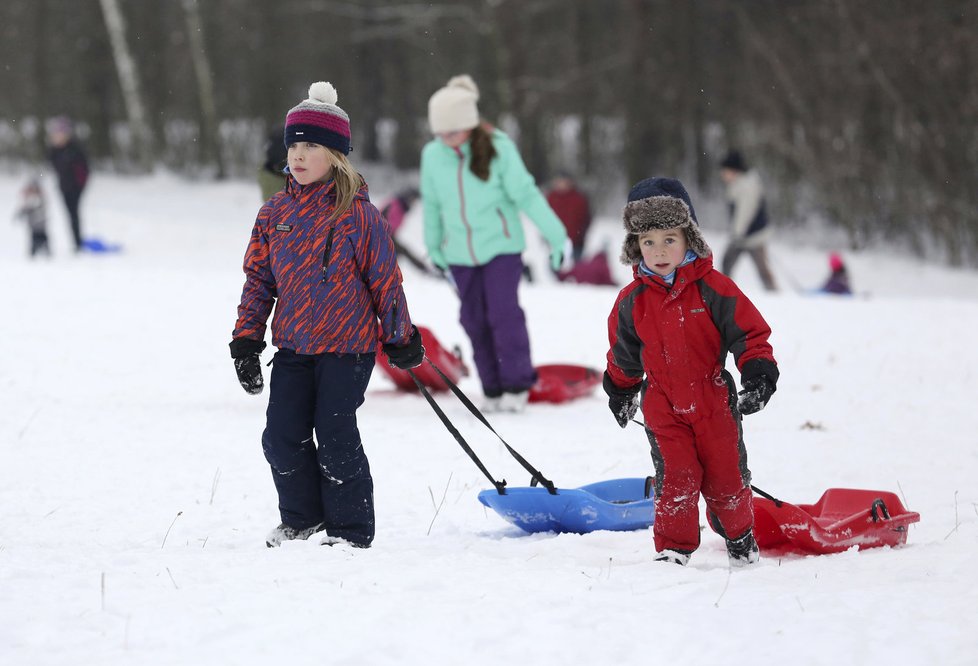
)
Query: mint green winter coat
[{"x": 473, "y": 221}]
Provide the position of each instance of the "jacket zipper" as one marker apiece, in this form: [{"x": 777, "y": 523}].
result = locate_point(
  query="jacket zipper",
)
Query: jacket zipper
[
  {"x": 329, "y": 246},
  {"x": 505, "y": 224},
  {"x": 461, "y": 199}
]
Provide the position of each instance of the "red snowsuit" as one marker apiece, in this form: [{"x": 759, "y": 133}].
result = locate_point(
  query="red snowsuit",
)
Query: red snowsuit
[{"x": 678, "y": 337}]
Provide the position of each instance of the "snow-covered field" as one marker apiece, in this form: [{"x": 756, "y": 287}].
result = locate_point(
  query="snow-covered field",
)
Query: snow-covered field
[{"x": 134, "y": 497}]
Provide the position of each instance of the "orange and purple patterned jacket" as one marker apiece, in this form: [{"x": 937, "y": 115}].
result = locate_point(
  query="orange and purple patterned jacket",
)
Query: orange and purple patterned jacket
[{"x": 337, "y": 284}]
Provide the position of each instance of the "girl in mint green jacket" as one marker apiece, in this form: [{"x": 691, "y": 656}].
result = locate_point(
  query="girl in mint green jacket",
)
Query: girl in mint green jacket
[{"x": 473, "y": 187}]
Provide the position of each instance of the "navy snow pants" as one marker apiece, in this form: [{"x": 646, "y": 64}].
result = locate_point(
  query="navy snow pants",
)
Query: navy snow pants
[{"x": 327, "y": 480}]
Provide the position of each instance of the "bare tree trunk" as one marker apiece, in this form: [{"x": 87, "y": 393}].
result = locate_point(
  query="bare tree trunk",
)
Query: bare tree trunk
[
  {"x": 210, "y": 146},
  {"x": 129, "y": 82}
]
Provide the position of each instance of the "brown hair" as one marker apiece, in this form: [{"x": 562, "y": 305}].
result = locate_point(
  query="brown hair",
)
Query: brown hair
[
  {"x": 482, "y": 150},
  {"x": 347, "y": 182}
]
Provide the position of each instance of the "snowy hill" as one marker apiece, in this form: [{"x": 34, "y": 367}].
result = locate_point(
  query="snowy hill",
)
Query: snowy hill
[{"x": 135, "y": 497}]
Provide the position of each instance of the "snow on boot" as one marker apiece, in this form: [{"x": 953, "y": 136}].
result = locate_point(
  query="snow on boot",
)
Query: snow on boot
[
  {"x": 743, "y": 551},
  {"x": 491, "y": 404},
  {"x": 284, "y": 533},
  {"x": 513, "y": 402},
  {"x": 340, "y": 541},
  {"x": 674, "y": 556}
]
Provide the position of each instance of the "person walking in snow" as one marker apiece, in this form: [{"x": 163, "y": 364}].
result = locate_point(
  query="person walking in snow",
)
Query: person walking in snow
[
  {"x": 473, "y": 186},
  {"x": 669, "y": 333},
  {"x": 749, "y": 226},
  {"x": 320, "y": 254},
  {"x": 32, "y": 212},
  {"x": 70, "y": 163},
  {"x": 573, "y": 208}
]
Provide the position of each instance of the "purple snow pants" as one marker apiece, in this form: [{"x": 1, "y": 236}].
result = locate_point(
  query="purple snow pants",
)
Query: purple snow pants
[{"x": 493, "y": 319}]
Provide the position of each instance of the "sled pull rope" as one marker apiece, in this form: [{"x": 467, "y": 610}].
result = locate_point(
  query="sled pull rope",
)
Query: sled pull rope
[
  {"x": 880, "y": 506},
  {"x": 534, "y": 472},
  {"x": 499, "y": 485},
  {"x": 763, "y": 494}
]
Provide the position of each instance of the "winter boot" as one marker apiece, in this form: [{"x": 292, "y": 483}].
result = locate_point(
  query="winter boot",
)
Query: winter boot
[
  {"x": 340, "y": 541},
  {"x": 743, "y": 551},
  {"x": 514, "y": 401},
  {"x": 675, "y": 556},
  {"x": 284, "y": 533},
  {"x": 491, "y": 404}
]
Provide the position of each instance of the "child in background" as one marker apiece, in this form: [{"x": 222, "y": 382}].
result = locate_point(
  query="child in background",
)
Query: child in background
[
  {"x": 838, "y": 280},
  {"x": 320, "y": 254},
  {"x": 33, "y": 213},
  {"x": 670, "y": 331}
]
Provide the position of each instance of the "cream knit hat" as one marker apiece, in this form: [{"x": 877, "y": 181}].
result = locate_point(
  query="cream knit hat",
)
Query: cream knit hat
[{"x": 453, "y": 108}]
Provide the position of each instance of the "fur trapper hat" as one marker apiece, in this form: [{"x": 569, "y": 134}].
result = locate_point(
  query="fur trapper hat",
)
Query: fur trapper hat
[{"x": 659, "y": 203}]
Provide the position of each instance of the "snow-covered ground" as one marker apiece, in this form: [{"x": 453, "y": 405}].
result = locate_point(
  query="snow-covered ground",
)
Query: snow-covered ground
[{"x": 134, "y": 497}]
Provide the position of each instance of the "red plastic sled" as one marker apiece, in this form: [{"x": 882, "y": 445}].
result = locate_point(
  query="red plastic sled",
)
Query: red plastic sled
[
  {"x": 560, "y": 383},
  {"x": 449, "y": 362},
  {"x": 842, "y": 518}
]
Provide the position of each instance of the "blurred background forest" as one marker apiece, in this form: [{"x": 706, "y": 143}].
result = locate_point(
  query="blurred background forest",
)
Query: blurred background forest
[{"x": 861, "y": 113}]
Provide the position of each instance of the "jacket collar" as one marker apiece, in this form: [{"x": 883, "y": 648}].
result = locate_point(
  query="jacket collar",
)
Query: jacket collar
[{"x": 685, "y": 275}]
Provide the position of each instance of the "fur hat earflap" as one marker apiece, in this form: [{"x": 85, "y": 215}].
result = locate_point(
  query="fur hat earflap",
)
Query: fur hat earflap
[{"x": 659, "y": 203}]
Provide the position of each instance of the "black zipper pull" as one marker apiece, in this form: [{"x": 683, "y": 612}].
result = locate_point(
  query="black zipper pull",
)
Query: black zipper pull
[{"x": 329, "y": 246}]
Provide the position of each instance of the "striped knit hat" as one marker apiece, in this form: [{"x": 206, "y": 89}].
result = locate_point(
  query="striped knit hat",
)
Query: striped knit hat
[{"x": 319, "y": 120}]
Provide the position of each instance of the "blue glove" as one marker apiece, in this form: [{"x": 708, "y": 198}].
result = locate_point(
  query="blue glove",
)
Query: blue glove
[{"x": 438, "y": 259}]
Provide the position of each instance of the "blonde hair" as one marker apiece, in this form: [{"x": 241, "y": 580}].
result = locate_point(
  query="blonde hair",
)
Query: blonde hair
[{"x": 347, "y": 182}]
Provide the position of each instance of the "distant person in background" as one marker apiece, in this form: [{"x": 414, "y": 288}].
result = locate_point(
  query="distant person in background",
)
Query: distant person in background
[
  {"x": 32, "y": 212},
  {"x": 749, "y": 227},
  {"x": 394, "y": 211},
  {"x": 573, "y": 209},
  {"x": 70, "y": 163},
  {"x": 272, "y": 176},
  {"x": 473, "y": 186},
  {"x": 838, "y": 280}
]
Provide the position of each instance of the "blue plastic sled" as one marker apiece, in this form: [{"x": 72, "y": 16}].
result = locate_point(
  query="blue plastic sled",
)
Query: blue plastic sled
[
  {"x": 98, "y": 246},
  {"x": 618, "y": 505}
]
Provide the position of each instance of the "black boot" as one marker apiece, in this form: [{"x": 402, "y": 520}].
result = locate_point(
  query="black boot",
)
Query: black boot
[{"x": 743, "y": 551}]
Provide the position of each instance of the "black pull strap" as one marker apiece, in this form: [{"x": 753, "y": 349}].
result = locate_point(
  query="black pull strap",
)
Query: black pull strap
[
  {"x": 763, "y": 494},
  {"x": 534, "y": 472},
  {"x": 879, "y": 508},
  {"x": 499, "y": 485}
]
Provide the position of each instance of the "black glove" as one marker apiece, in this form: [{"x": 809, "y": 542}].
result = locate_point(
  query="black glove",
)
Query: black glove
[
  {"x": 245, "y": 352},
  {"x": 623, "y": 403},
  {"x": 756, "y": 394},
  {"x": 406, "y": 356}
]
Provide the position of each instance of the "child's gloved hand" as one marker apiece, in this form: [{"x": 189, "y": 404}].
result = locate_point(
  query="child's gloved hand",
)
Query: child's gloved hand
[
  {"x": 756, "y": 394},
  {"x": 623, "y": 403},
  {"x": 406, "y": 356},
  {"x": 562, "y": 258},
  {"x": 438, "y": 259},
  {"x": 247, "y": 363}
]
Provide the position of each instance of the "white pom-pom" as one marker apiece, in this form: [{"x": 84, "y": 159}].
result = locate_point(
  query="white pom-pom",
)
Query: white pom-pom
[
  {"x": 464, "y": 81},
  {"x": 323, "y": 92}
]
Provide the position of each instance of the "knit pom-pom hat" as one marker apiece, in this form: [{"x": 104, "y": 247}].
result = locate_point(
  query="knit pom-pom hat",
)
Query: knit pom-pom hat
[
  {"x": 318, "y": 120},
  {"x": 453, "y": 108},
  {"x": 659, "y": 203}
]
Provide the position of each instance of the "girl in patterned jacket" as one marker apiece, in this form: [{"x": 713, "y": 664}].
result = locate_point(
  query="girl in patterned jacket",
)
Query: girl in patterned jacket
[
  {"x": 670, "y": 331},
  {"x": 321, "y": 255},
  {"x": 473, "y": 186}
]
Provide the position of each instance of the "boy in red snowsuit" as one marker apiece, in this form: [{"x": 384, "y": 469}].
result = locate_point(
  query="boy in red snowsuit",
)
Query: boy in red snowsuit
[{"x": 672, "y": 327}]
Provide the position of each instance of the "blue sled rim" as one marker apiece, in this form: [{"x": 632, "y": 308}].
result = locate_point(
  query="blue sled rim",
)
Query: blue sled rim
[{"x": 618, "y": 505}]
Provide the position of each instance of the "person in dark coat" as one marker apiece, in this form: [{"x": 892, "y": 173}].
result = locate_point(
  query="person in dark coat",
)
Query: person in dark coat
[
  {"x": 70, "y": 163},
  {"x": 321, "y": 257},
  {"x": 573, "y": 209},
  {"x": 272, "y": 175},
  {"x": 669, "y": 333}
]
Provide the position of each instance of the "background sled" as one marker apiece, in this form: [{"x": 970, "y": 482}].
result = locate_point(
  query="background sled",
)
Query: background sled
[
  {"x": 560, "y": 383},
  {"x": 450, "y": 363},
  {"x": 842, "y": 518},
  {"x": 617, "y": 505}
]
